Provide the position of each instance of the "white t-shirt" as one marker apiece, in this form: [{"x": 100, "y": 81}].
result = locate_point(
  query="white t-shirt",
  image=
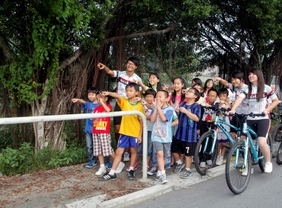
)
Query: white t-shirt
[{"x": 243, "y": 107}]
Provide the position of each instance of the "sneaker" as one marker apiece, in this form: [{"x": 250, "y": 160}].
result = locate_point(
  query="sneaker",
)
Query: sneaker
[
  {"x": 134, "y": 167},
  {"x": 245, "y": 171},
  {"x": 152, "y": 171},
  {"x": 209, "y": 162},
  {"x": 131, "y": 175},
  {"x": 91, "y": 164},
  {"x": 107, "y": 177},
  {"x": 219, "y": 160},
  {"x": 268, "y": 167},
  {"x": 202, "y": 164},
  {"x": 186, "y": 174},
  {"x": 102, "y": 170},
  {"x": 163, "y": 179},
  {"x": 126, "y": 157},
  {"x": 178, "y": 168},
  {"x": 120, "y": 167}
]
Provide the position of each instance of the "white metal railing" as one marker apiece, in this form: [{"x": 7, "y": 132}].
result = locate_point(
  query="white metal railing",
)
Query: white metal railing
[{"x": 33, "y": 119}]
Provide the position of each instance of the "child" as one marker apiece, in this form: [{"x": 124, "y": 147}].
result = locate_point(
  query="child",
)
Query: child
[
  {"x": 207, "y": 86},
  {"x": 185, "y": 139},
  {"x": 102, "y": 135},
  {"x": 130, "y": 130},
  {"x": 222, "y": 139},
  {"x": 161, "y": 135},
  {"x": 89, "y": 107},
  {"x": 154, "y": 82},
  {"x": 208, "y": 117}
]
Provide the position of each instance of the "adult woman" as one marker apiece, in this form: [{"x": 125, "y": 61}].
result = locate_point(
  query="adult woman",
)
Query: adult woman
[{"x": 257, "y": 95}]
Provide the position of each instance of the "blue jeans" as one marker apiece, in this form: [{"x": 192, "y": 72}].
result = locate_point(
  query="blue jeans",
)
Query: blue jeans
[{"x": 89, "y": 145}]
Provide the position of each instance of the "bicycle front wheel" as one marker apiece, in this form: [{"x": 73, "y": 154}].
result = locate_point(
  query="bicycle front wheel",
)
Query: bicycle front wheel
[
  {"x": 205, "y": 152},
  {"x": 279, "y": 154},
  {"x": 236, "y": 174}
]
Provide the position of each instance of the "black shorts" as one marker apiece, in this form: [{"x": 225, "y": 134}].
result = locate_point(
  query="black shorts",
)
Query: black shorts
[
  {"x": 261, "y": 127},
  {"x": 117, "y": 119},
  {"x": 181, "y": 147}
]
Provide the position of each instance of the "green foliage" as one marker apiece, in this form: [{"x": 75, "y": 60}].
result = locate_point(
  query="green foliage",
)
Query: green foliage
[{"x": 24, "y": 160}]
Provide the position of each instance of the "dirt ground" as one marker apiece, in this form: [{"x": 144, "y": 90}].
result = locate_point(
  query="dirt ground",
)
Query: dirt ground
[{"x": 54, "y": 188}]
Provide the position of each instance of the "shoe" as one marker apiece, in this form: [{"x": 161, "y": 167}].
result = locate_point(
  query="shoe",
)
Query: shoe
[
  {"x": 134, "y": 167},
  {"x": 245, "y": 171},
  {"x": 202, "y": 164},
  {"x": 152, "y": 171},
  {"x": 219, "y": 160},
  {"x": 209, "y": 162},
  {"x": 163, "y": 179},
  {"x": 107, "y": 177},
  {"x": 268, "y": 167},
  {"x": 120, "y": 167},
  {"x": 109, "y": 164},
  {"x": 102, "y": 170},
  {"x": 186, "y": 174},
  {"x": 131, "y": 175},
  {"x": 91, "y": 164},
  {"x": 126, "y": 157},
  {"x": 178, "y": 168}
]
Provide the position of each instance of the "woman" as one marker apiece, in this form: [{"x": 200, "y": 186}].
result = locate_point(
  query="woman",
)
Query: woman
[{"x": 257, "y": 95}]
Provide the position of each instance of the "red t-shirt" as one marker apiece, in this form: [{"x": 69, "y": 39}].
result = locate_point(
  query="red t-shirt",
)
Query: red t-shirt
[{"x": 102, "y": 125}]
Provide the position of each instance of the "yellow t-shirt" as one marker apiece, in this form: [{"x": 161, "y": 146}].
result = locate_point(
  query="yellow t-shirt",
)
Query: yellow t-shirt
[{"x": 131, "y": 124}]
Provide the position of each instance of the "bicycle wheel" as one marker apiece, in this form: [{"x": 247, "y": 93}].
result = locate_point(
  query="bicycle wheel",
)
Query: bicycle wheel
[
  {"x": 205, "y": 156},
  {"x": 279, "y": 154},
  {"x": 276, "y": 138},
  {"x": 261, "y": 161},
  {"x": 237, "y": 177}
]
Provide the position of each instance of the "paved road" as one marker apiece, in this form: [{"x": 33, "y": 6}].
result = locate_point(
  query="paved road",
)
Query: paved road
[{"x": 264, "y": 190}]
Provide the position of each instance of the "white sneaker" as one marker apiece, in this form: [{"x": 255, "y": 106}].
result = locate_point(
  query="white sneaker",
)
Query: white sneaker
[
  {"x": 219, "y": 160},
  {"x": 245, "y": 171},
  {"x": 268, "y": 167},
  {"x": 209, "y": 162},
  {"x": 101, "y": 171},
  {"x": 202, "y": 164},
  {"x": 126, "y": 157},
  {"x": 120, "y": 167}
]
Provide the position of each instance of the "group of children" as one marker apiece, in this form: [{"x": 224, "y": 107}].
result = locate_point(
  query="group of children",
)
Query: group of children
[{"x": 174, "y": 122}]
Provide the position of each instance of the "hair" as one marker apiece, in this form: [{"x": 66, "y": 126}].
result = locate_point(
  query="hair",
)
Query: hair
[
  {"x": 238, "y": 75},
  {"x": 205, "y": 85},
  {"x": 134, "y": 59},
  {"x": 223, "y": 91},
  {"x": 159, "y": 85},
  {"x": 165, "y": 92},
  {"x": 197, "y": 93},
  {"x": 194, "y": 85},
  {"x": 99, "y": 92},
  {"x": 92, "y": 90},
  {"x": 212, "y": 89},
  {"x": 134, "y": 85},
  {"x": 197, "y": 80},
  {"x": 150, "y": 92},
  {"x": 280, "y": 83},
  {"x": 173, "y": 95},
  {"x": 260, "y": 84}
]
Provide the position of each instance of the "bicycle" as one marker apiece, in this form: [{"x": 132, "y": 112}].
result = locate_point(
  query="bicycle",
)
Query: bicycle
[
  {"x": 207, "y": 147},
  {"x": 277, "y": 138},
  {"x": 240, "y": 158}
]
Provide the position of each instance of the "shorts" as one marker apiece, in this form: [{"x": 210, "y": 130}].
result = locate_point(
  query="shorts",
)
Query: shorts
[
  {"x": 102, "y": 145},
  {"x": 117, "y": 119},
  {"x": 127, "y": 141},
  {"x": 261, "y": 127},
  {"x": 149, "y": 146},
  {"x": 221, "y": 137},
  {"x": 181, "y": 147},
  {"x": 164, "y": 147}
]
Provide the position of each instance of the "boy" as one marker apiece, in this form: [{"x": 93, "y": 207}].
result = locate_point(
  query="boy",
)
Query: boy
[
  {"x": 161, "y": 135},
  {"x": 123, "y": 78},
  {"x": 89, "y": 107},
  {"x": 130, "y": 130},
  {"x": 185, "y": 139},
  {"x": 102, "y": 135},
  {"x": 222, "y": 139}
]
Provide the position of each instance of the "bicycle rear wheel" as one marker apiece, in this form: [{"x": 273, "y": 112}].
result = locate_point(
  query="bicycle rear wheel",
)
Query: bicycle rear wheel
[
  {"x": 205, "y": 155},
  {"x": 279, "y": 154},
  {"x": 276, "y": 138},
  {"x": 237, "y": 177}
]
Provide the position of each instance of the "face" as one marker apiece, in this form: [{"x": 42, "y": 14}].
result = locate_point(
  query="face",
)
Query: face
[
  {"x": 236, "y": 82},
  {"x": 210, "y": 84},
  {"x": 149, "y": 99},
  {"x": 101, "y": 98},
  {"x": 223, "y": 97},
  {"x": 212, "y": 97},
  {"x": 153, "y": 80},
  {"x": 131, "y": 92},
  {"x": 130, "y": 66},
  {"x": 178, "y": 85},
  {"x": 199, "y": 88},
  {"x": 161, "y": 96},
  {"x": 190, "y": 94},
  {"x": 91, "y": 96},
  {"x": 253, "y": 78}
]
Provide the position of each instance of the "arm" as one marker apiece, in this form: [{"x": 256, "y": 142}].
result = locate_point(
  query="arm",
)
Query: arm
[
  {"x": 112, "y": 94},
  {"x": 175, "y": 122},
  {"x": 235, "y": 105},
  {"x": 106, "y": 69},
  {"x": 78, "y": 100},
  {"x": 222, "y": 81},
  {"x": 192, "y": 116},
  {"x": 107, "y": 109},
  {"x": 274, "y": 103},
  {"x": 144, "y": 87}
]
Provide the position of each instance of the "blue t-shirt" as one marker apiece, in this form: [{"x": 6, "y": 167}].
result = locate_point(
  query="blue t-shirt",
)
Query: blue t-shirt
[
  {"x": 187, "y": 128},
  {"x": 162, "y": 129},
  {"x": 89, "y": 107}
]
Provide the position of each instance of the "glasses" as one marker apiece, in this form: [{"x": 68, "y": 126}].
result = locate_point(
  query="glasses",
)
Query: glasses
[
  {"x": 190, "y": 90},
  {"x": 130, "y": 64}
]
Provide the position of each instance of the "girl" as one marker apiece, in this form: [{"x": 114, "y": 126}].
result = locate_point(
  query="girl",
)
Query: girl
[
  {"x": 154, "y": 82},
  {"x": 257, "y": 94},
  {"x": 208, "y": 85},
  {"x": 177, "y": 96}
]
